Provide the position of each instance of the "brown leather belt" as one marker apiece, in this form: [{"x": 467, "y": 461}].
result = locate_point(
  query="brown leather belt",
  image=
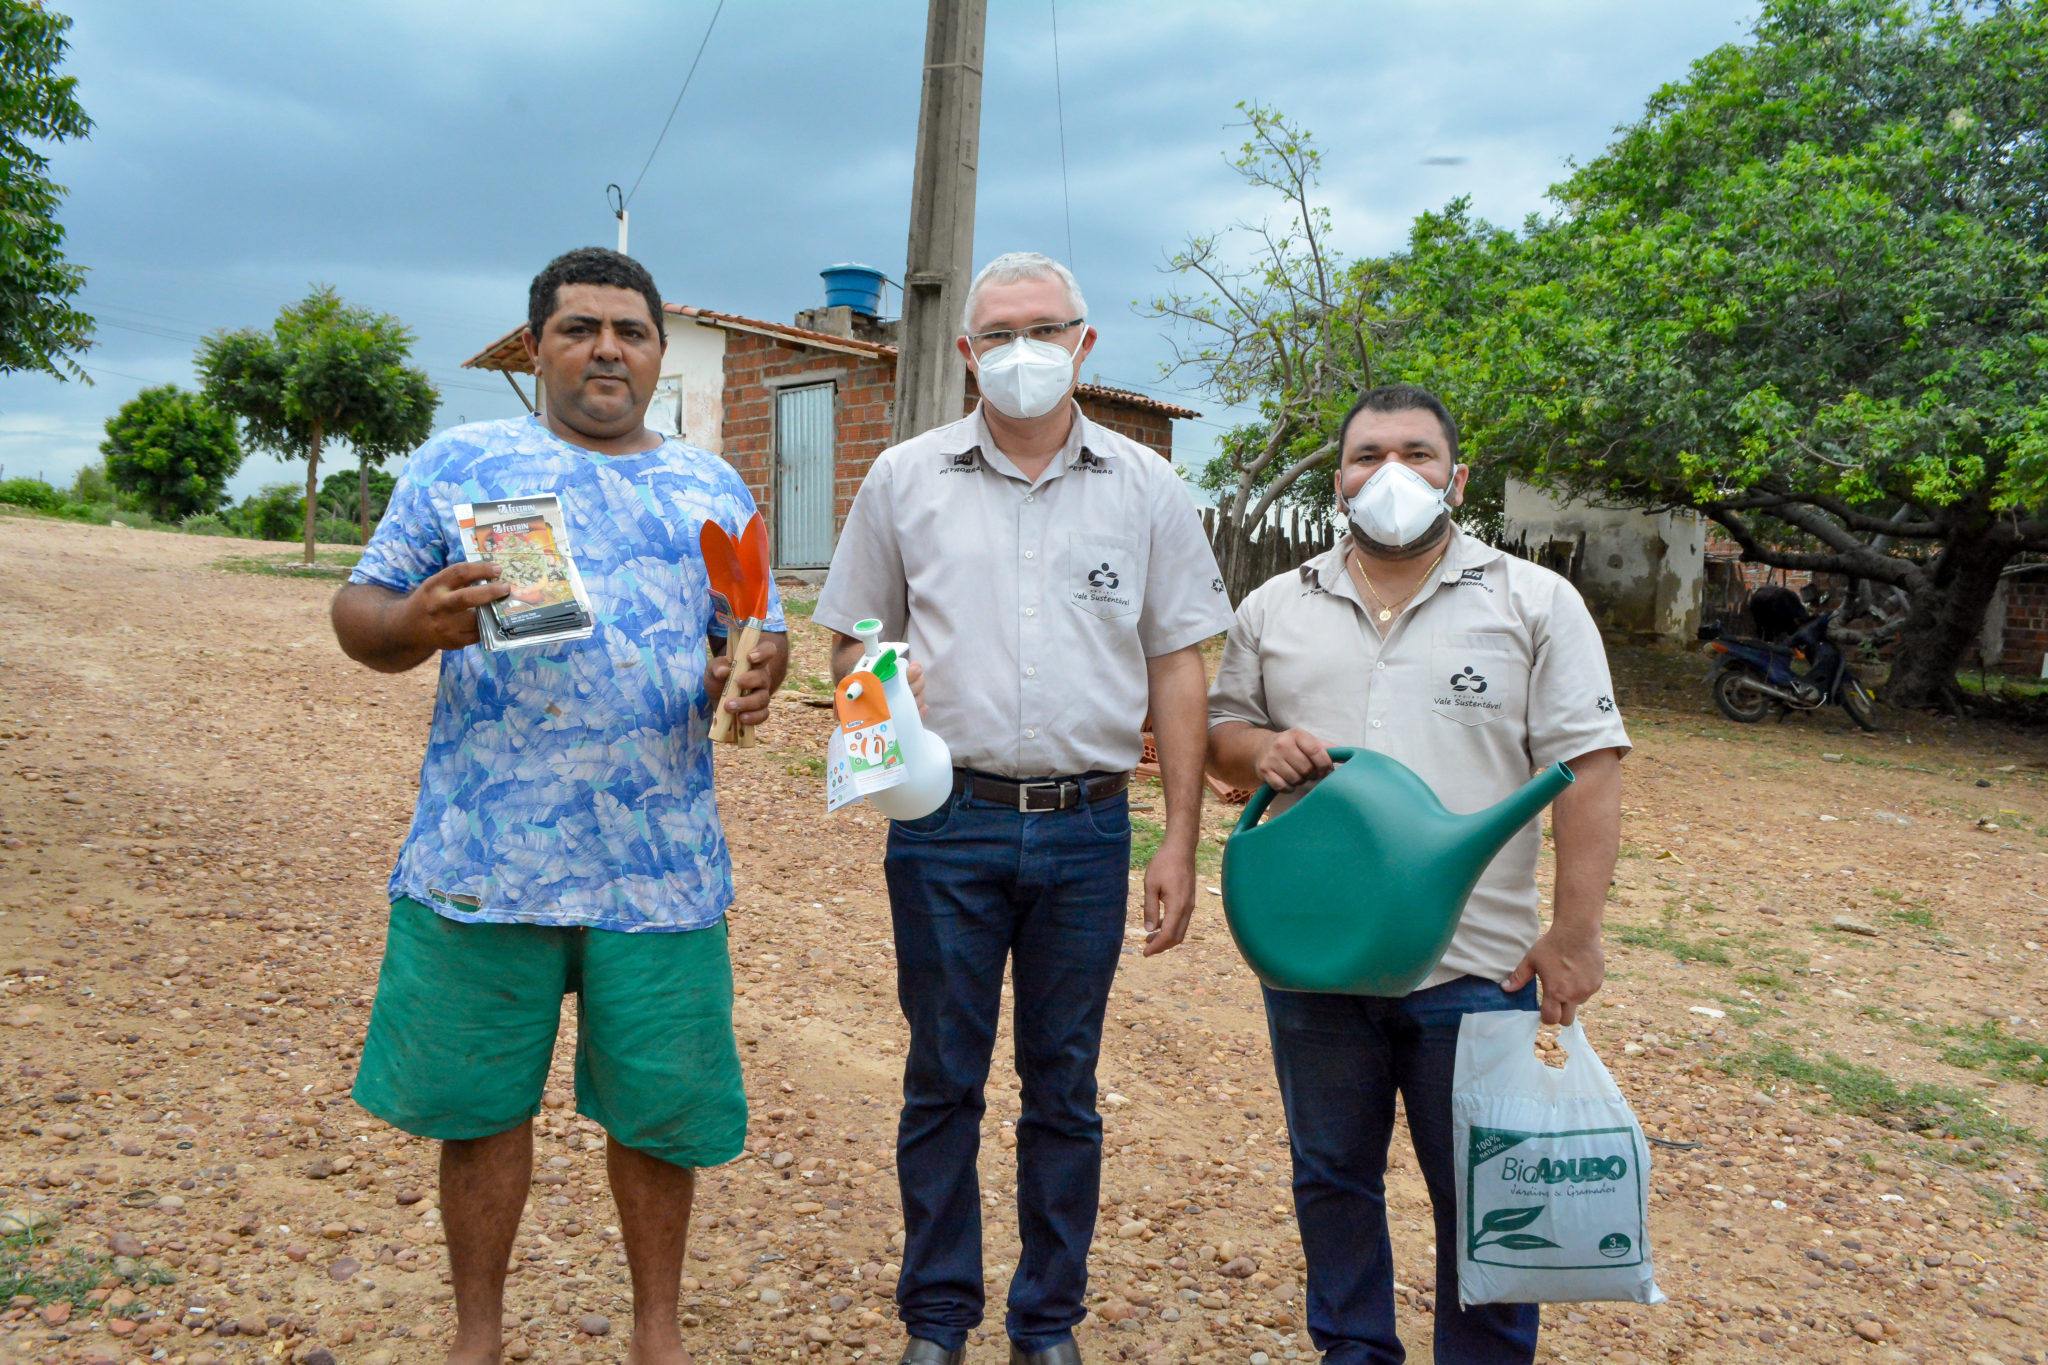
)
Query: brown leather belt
[{"x": 1048, "y": 794}]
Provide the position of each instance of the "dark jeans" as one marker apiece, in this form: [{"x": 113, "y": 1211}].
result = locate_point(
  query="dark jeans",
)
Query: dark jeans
[
  {"x": 1340, "y": 1060},
  {"x": 974, "y": 886}
]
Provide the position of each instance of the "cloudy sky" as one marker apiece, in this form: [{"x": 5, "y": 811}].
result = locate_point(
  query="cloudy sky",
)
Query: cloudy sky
[{"x": 426, "y": 157}]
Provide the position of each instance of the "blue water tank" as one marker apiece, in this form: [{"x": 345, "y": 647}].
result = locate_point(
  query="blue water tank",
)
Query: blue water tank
[{"x": 859, "y": 287}]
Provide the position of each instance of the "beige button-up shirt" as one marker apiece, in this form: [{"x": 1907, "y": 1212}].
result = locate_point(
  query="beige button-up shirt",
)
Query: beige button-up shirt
[
  {"x": 1033, "y": 605},
  {"x": 1494, "y": 672}
]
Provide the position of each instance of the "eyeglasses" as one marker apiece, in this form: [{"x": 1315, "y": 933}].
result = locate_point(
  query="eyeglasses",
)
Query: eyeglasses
[{"x": 1045, "y": 331}]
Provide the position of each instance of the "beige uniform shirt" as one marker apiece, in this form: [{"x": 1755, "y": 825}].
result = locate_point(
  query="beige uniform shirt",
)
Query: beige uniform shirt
[
  {"x": 1495, "y": 671},
  {"x": 1032, "y": 605}
]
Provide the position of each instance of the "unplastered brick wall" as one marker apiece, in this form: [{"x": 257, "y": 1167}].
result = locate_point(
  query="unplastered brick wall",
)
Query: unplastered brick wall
[
  {"x": 861, "y": 413},
  {"x": 2026, "y": 623},
  {"x": 1150, "y": 429}
]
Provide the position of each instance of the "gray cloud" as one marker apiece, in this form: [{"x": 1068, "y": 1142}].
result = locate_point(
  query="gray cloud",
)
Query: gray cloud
[{"x": 426, "y": 159}]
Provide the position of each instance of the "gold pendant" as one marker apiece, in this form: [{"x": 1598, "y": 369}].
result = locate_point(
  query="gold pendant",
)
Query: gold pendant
[{"x": 1386, "y": 613}]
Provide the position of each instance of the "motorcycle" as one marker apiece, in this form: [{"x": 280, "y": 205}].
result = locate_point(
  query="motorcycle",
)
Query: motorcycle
[{"x": 1752, "y": 677}]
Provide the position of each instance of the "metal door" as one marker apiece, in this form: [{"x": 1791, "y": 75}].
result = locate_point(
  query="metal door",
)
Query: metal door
[{"x": 803, "y": 477}]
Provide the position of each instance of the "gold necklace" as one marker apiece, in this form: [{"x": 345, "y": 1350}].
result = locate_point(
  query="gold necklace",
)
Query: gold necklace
[{"x": 1386, "y": 612}]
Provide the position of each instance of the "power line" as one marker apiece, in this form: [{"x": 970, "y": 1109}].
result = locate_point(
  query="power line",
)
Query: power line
[
  {"x": 121, "y": 374},
  {"x": 1059, "y": 105},
  {"x": 673, "y": 107}
]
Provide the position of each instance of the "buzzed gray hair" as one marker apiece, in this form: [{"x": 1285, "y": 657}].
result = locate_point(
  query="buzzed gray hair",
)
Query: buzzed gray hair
[{"x": 1022, "y": 265}]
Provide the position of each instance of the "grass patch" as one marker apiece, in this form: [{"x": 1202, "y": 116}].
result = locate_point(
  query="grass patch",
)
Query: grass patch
[
  {"x": 806, "y": 765},
  {"x": 40, "y": 1272},
  {"x": 1869, "y": 1093},
  {"x": 799, "y": 606},
  {"x": 1146, "y": 837},
  {"x": 93, "y": 514},
  {"x": 1762, "y": 979},
  {"x": 1794, "y": 959},
  {"x": 1919, "y": 916},
  {"x": 1679, "y": 946},
  {"x": 2001, "y": 685},
  {"x": 1988, "y": 1047},
  {"x": 326, "y": 564}
]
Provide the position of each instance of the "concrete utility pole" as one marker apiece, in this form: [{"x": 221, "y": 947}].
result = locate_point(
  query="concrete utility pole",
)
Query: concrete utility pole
[{"x": 931, "y": 381}]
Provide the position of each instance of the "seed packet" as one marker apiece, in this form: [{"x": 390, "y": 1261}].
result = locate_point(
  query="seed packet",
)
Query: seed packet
[{"x": 528, "y": 538}]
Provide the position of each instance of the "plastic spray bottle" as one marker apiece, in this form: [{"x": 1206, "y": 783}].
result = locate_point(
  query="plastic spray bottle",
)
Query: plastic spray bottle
[{"x": 925, "y": 752}]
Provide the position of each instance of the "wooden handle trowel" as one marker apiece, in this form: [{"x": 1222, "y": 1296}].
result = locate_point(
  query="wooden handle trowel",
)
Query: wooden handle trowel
[{"x": 739, "y": 573}]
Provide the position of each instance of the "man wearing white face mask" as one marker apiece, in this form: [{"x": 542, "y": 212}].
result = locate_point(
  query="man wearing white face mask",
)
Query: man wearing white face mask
[
  {"x": 1475, "y": 669},
  {"x": 1054, "y": 579}
]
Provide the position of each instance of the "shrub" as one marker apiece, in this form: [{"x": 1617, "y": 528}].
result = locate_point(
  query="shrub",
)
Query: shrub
[
  {"x": 341, "y": 491},
  {"x": 172, "y": 451},
  {"x": 91, "y": 485},
  {"x": 329, "y": 529},
  {"x": 274, "y": 512},
  {"x": 205, "y": 524},
  {"x": 31, "y": 493}
]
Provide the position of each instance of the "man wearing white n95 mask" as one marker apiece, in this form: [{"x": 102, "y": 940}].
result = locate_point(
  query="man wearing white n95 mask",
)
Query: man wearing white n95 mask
[
  {"x": 1412, "y": 639},
  {"x": 1053, "y": 578}
]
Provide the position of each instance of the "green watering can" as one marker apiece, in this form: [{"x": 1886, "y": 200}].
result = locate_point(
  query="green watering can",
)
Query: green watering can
[{"x": 1357, "y": 888}]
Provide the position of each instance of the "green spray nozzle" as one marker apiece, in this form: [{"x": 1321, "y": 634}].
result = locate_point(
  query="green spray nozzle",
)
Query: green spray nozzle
[{"x": 885, "y": 667}]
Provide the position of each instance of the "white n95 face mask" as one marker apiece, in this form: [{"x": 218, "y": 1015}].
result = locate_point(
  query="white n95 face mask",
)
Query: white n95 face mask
[
  {"x": 1025, "y": 378},
  {"x": 1397, "y": 506}
]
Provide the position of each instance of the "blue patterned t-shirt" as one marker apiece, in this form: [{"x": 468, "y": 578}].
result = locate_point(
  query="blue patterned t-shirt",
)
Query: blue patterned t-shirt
[{"x": 570, "y": 784}]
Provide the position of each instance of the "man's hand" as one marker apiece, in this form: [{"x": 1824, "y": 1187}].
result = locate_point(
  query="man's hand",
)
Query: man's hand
[
  {"x": 756, "y": 683},
  {"x": 1291, "y": 757},
  {"x": 392, "y": 632},
  {"x": 1568, "y": 960},
  {"x": 441, "y": 612},
  {"x": 1169, "y": 899},
  {"x": 1570, "y": 967},
  {"x": 846, "y": 652}
]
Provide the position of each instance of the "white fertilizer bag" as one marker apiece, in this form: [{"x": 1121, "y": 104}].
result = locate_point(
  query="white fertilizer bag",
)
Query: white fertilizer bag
[{"x": 1552, "y": 1169}]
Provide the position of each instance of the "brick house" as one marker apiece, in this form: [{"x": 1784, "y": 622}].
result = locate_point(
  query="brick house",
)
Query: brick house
[{"x": 802, "y": 411}]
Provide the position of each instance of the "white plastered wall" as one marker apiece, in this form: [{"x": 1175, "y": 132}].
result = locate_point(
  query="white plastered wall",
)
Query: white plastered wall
[
  {"x": 1640, "y": 572},
  {"x": 689, "y": 400}
]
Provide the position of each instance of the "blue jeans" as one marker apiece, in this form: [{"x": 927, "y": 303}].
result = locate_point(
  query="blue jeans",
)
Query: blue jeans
[
  {"x": 972, "y": 887},
  {"x": 1340, "y": 1060}
]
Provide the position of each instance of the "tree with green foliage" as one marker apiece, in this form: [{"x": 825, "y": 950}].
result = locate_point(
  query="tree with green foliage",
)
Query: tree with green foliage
[
  {"x": 1268, "y": 326},
  {"x": 347, "y": 495},
  {"x": 395, "y": 427},
  {"x": 39, "y": 329},
  {"x": 1805, "y": 295},
  {"x": 173, "y": 450},
  {"x": 1292, "y": 326},
  {"x": 325, "y": 370}
]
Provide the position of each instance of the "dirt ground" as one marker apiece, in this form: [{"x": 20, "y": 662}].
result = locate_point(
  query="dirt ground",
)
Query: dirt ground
[{"x": 1826, "y": 991}]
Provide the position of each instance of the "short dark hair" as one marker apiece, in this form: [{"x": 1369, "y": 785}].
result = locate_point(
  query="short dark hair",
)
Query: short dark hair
[
  {"x": 1401, "y": 398},
  {"x": 588, "y": 265}
]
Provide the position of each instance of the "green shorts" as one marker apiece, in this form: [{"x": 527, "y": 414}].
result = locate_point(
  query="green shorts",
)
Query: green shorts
[{"x": 463, "y": 1032}]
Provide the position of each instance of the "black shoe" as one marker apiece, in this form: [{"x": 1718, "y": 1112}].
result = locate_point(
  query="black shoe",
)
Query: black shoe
[
  {"x": 918, "y": 1351},
  {"x": 1066, "y": 1353}
]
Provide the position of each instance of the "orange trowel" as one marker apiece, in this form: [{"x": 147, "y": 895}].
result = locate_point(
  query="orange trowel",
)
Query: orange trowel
[{"x": 739, "y": 573}]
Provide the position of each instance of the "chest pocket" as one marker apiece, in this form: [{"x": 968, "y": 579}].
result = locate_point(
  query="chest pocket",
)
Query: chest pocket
[
  {"x": 1477, "y": 678},
  {"x": 1105, "y": 575}
]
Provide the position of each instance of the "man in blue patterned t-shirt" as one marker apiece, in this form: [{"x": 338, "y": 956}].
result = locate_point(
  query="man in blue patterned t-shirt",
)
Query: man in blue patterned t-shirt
[{"x": 567, "y": 834}]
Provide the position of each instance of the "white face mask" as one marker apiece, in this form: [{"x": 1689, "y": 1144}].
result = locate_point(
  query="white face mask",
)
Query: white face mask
[
  {"x": 1025, "y": 378},
  {"x": 1397, "y": 506}
]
